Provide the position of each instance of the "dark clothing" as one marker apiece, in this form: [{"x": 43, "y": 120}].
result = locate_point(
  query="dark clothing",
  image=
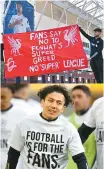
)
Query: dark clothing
[
  {"x": 96, "y": 62},
  {"x": 96, "y": 44},
  {"x": 2, "y": 49},
  {"x": 84, "y": 132},
  {"x": 97, "y": 68},
  {"x": 13, "y": 156}
]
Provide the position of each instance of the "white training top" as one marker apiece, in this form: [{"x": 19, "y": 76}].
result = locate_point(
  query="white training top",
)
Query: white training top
[
  {"x": 31, "y": 110},
  {"x": 96, "y": 120},
  {"x": 9, "y": 120},
  {"x": 45, "y": 144},
  {"x": 19, "y": 28},
  {"x": 35, "y": 105}
]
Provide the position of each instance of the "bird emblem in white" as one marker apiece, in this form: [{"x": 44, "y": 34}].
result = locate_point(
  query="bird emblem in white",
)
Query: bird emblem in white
[
  {"x": 15, "y": 45},
  {"x": 70, "y": 35}
]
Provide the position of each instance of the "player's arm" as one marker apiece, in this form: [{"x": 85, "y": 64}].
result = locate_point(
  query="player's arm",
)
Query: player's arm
[
  {"x": 13, "y": 156},
  {"x": 85, "y": 34},
  {"x": 88, "y": 126},
  {"x": 11, "y": 25},
  {"x": 76, "y": 149},
  {"x": 13, "y": 22},
  {"x": 81, "y": 161},
  {"x": 100, "y": 46},
  {"x": 16, "y": 143},
  {"x": 84, "y": 132}
]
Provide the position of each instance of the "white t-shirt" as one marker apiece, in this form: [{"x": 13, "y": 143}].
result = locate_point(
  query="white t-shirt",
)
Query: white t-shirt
[
  {"x": 35, "y": 105},
  {"x": 9, "y": 120},
  {"x": 96, "y": 120},
  {"x": 28, "y": 108},
  {"x": 44, "y": 144},
  {"x": 19, "y": 28}
]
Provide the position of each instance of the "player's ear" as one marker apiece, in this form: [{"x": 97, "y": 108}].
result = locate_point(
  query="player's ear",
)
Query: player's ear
[
  {"x": 64, "y": 107},
  {"x": 42, "y": 102}
]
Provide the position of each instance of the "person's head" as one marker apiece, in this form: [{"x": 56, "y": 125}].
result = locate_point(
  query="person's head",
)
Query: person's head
[
  {"x": 81, "y": 97},
  {"x": 19, "y": 7},
  {"x": 7, "y": 92},
  {"x": 97, "y": 32},
  {"x": 54, "y": 99},
  {"x": 22, "y": 91}
]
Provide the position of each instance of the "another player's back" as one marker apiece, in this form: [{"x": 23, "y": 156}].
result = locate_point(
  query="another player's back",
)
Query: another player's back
[
  {"x": 9, "y": 119},
  {"x": 25, "y": 106}
]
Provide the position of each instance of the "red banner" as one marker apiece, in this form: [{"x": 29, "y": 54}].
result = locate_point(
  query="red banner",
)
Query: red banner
[{"x": 44, "y": 52}]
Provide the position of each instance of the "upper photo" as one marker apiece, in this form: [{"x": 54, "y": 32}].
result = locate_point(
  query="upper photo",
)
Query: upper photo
[{"x": 51, "y": 41}]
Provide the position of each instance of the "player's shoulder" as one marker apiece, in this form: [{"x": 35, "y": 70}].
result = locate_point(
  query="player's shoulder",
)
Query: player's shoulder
[
  {"x": 24, "y": 17},
  {"x": 14, "y": 16},
  {"x": 63, "y": 119},
  {"x": 29, "y": 118},
  {"x": 68, "y": 125},
  {"x": 101, "y": 40},
  {"x": 99, "y": 102},
  {"x": 19, "y": 110}
]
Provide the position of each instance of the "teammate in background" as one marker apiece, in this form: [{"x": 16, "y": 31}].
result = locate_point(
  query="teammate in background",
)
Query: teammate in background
[
  {"x": 19, "y": 22},
  {"x": 81, "y": 97},
  {"x": 96, "y": 60},
  {"x": 21, "y": 98},
  {"x": 10, "y": 116},
  {"x": 45, "y": 138},
  {"x": 95, "y": 121}
]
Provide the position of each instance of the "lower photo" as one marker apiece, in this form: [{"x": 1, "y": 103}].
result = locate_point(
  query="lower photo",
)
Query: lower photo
[{"x": 52, "y": 126}]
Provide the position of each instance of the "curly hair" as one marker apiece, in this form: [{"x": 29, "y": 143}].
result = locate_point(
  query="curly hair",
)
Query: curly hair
[{"x": 55, "y": 88}]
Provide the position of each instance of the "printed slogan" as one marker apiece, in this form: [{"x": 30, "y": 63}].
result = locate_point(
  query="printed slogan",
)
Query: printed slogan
[
  {"x": 43, "y": 149},
  {"x": 42, "y": 52}
]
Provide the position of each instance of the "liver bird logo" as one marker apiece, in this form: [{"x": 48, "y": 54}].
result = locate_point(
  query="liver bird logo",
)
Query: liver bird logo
[
  {"x": 15, "y": 45},
  {"x": 70, "y": 35}
]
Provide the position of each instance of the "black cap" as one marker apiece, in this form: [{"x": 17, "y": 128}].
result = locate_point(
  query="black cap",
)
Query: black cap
[{"x": 97, "y": 30}]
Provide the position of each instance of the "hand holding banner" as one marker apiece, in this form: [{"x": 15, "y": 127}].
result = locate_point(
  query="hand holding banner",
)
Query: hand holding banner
[{"x": 44, "y": 52}]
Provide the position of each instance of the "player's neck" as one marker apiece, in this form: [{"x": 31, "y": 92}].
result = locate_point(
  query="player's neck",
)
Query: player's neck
[
  {"x": 17, "y": 96},
  {"x": 46, "y": 118},
  {"x": 84, "y": 111},
  {"x": 97, "y": 37},
  {"x": 19, "y": 13},
  {"x": 6, "y": 107}
]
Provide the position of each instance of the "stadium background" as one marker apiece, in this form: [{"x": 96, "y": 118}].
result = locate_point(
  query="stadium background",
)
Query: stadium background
[{"x": 96, "y": 91}]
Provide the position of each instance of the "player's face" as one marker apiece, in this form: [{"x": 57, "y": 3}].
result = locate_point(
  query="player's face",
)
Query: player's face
[
  {"x": 6, "y": 96},
  {"x": 53, "y": 105},
  {"x": 81, "y": 100},
  {"x": 25, "y": 92},
  {"x": 19, "y": 8},
  {"x": 97, "y": 34}
]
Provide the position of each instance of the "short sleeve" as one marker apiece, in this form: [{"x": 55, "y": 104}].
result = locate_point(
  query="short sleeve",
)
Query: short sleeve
[
  {"x": 91, "y": 122},
  {"x": 16, "y": 141},
  {"x": 12, "y": 20},
  {"x": 74, "y": 143}
]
